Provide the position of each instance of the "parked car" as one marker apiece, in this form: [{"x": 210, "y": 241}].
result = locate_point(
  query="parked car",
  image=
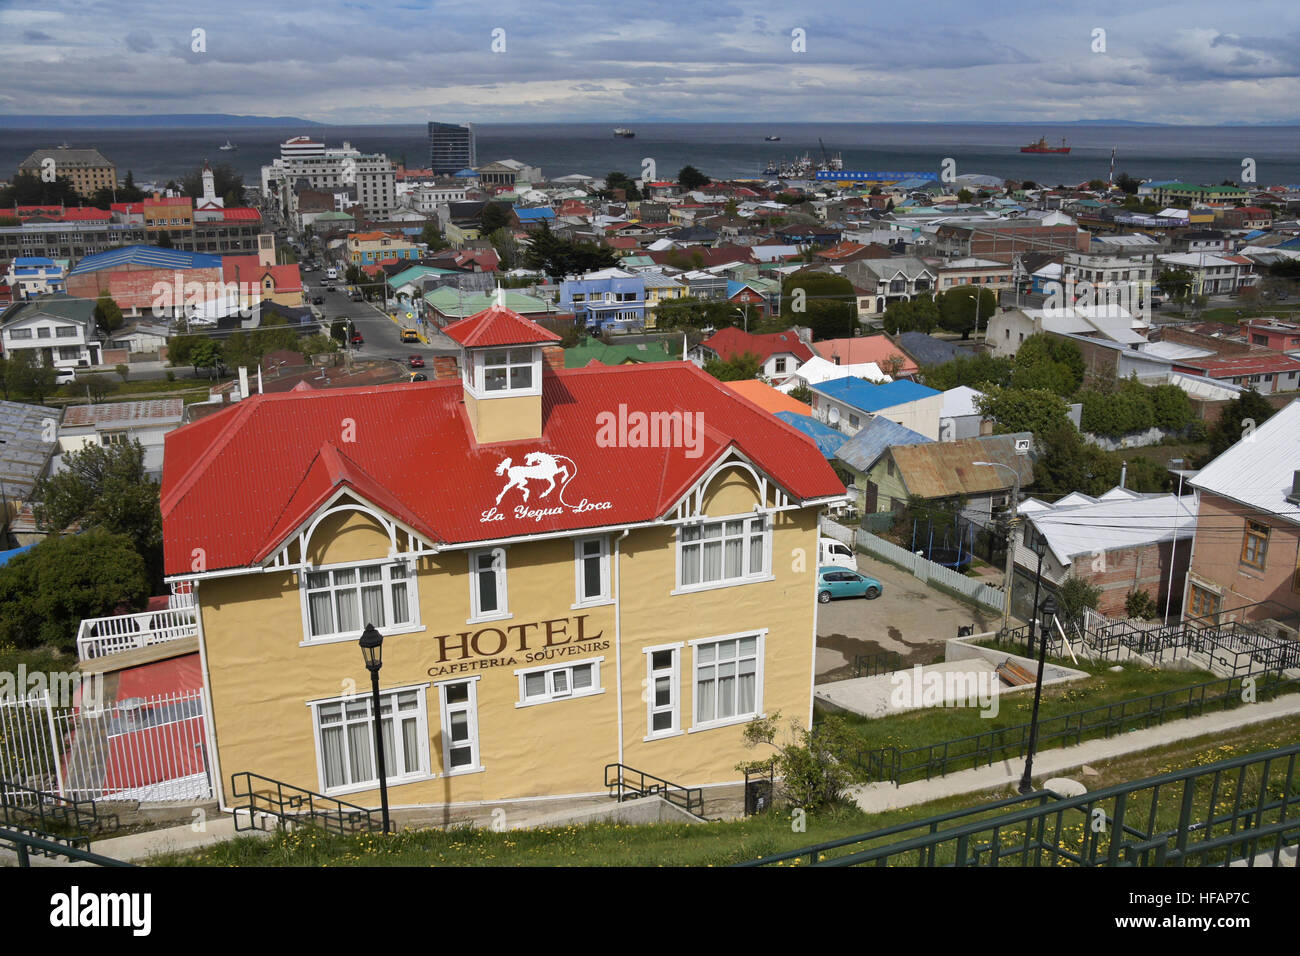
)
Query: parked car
[
  {"x": 64, "y": 376},
  {"x": 318, "y": 300},
  {"x": 837, "y": 553},
  {"x": 416, "y": 361},
  {"x": 840, "y": 582},
  {"x": 410, "y": 335},
  {"x": 357, "y": 296},
  {"x": 419, "y": 377},
  {"x": 357, "y": 339}
]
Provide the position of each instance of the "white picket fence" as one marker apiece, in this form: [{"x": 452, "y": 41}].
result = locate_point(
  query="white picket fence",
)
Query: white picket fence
[
  {"x": 138, "y": 749},
  {"x": 921, "y": 567},
  {"x": 98, "y": 636}
]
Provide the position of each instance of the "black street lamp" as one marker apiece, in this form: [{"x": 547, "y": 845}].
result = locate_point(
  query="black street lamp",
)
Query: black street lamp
[
  {"x": 1040, "y": 549},
  {"x": 372, "y": 649},
  {"x": 1049, "y": 617}
]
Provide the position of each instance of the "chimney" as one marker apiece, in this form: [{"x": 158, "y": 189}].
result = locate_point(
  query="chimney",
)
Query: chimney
[
  {"x": 553, "y": 357},
  {"x": 243, "y": 381},
  {"x": 1294, "y": 497}
]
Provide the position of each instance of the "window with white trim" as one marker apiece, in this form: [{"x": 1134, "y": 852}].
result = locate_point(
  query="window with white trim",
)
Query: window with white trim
[
  {"x": 345, "y": 739},
  {"x": 715, "y": 552},
  {"x": 592, "y": 558},
  {"x": 340, "y": 602},
  {"x": 546, "y": 684},
  {"x": 508, "y": 370},
  {"x": 663, "y": 700},
  {"x": 487, "y": 584},
  {"x": 728, "y": 680},
  {"x": 460, "y": 753}
]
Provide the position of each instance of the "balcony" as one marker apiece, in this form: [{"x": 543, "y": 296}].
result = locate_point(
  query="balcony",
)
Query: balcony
[{"x": 101, "y": 636}]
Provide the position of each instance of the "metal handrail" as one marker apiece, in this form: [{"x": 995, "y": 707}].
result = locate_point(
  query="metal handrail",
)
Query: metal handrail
[
  {"x": 43, "y": 810},
  {"x": 690, "y": 799},
  {"x": 1024, "y": 832},
  {"x": 882, "y": 662},
  {"x": 289, "y": 804},
  {"x": 24, "y": 844}
]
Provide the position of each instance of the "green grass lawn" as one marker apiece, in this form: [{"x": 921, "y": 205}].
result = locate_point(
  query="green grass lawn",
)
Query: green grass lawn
[
  {"x": 932, "y": 725},
  {"x": 712, "y": 844}
]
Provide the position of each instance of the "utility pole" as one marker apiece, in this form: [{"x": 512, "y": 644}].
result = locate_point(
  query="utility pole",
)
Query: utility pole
[{"x": 1011, "y": 541}]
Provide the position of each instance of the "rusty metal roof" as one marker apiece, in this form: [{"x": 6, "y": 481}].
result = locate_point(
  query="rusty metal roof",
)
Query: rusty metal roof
[{"x": 945, "y": 469}]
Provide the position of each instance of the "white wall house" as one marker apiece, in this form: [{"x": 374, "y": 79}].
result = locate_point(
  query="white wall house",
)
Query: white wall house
[
  {"x": 119, "y": 423},
  {"x": 57, "y": 330}
]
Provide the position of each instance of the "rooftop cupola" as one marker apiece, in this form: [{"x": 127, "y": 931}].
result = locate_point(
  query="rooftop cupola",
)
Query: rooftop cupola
[{"x": 501, "y": 368}]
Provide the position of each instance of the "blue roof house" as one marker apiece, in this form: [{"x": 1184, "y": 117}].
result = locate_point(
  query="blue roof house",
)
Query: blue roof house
[
  {"x": 848, "y": 403},
  {"x": 610, "y": 299}
]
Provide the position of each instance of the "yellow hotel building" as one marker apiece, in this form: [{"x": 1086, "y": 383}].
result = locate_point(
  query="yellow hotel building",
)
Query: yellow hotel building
[{"x": 570, "y": 569}]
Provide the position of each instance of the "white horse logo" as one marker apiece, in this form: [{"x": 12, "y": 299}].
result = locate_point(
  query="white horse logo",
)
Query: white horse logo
[{"x": 537, "y": 465}]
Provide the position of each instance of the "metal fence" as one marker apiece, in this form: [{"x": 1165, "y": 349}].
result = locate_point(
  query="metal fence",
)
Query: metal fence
[
  {"x": 1245, "y": 810},
  {"x": 137, "y": 749},
  {"x": 891, "y": 765},
  {"x": 926, "y": 570}
]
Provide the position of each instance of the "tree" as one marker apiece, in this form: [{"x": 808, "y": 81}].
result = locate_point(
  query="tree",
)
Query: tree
[
  {"x": 46, "y": 592},
  {"x": 1127, "y": 184},
  {"x": 1096, "y": 185},
  {"x": 801, "y": 393},
  {"x": 205, "y": 354},
  {"x": 432, "y": 237},
  {"x": 735, "y": 369},
  {"x": 96, "y": 385},
  {"x": 30, "y": 378},
  {"x": 108, "y": 315},
  {"x": 965, "y": 196},
  {"x": 1022, "y": 410},
  {"x": 506, "y": 246},
  {"x": 1074, "y": 595},
  {"x": 979, "y": 371},
  {"x": 617, "y": 180},
  {"x": 1140, "y": 604},
  {"x": 691, "y": 178},
  {"x": 319, "y": 344},
  {"x": 1046, "y": 362},
  {"x": 962, "y": 307},
  {"x": 29, "y": 189},
  {"x": 559, "y": 258},
  {"x": 1177, "y": 284},
  {"x": 1239, "y": 417},
  {"x": 821, "y": 301},
  {"x": 815, "y": 767},
  {"x": 495, "y": 215},
  {"x": 920, "y": 314},
  {"x": 124, "y": 371}
]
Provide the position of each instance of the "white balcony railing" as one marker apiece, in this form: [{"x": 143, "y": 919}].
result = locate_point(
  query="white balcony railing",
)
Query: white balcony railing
[{"x": 100, "y": 636}]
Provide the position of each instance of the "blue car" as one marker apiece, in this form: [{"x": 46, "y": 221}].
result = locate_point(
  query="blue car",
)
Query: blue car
[{"x": 841, "y": 582}]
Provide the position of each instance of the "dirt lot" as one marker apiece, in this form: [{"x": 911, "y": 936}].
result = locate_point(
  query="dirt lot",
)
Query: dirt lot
[{"x": 909, "y": 617}]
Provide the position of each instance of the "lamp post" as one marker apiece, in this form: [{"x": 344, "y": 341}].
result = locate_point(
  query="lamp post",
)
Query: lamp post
[
  {"x": 1040, "y": 549},
  {"x": 1011, "y": 542},
  {"x": 372, "y": 649},
  {"x": 1049, "y": 617}
]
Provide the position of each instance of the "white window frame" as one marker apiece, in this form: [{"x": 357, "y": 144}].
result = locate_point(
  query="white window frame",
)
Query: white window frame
[
  {"x": 477, "y": 615},
  {"x": 555, "y": 688},
  {"x": 389, "y": 628},
  {"x": 396, "y": 776},
  {"x": 475, "y": 376},
  {"x": 746, "y": 576},
  {"x": 605, "y": 596},
  {"x": 698, "y": 725},
  {"x": 674, "y": 674},
  {"x": 445, "y": 710}
]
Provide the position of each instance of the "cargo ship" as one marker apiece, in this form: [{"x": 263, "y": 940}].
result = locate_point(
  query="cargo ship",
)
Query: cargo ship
[
  {"x": 1042, "y": 147},
  {"x": 623, "y": 133}
]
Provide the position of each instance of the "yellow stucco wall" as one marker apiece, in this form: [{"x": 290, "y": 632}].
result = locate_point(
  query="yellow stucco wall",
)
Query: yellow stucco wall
[
  {"x": 261, "y": 678},
  {"x": 504, "y": 419}
]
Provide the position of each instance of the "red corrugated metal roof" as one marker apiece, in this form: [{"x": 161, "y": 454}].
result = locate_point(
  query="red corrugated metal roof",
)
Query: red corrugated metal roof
[
  {"x": 497, "y": 326},
  {"x": 237, "y": 483},
  {"x": 240, "y": 214},
  {"x": 731, "y": 341}
]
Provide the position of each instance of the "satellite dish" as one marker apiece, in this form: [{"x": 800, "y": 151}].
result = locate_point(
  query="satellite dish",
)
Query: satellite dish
[{"x": 834, "y": 415}]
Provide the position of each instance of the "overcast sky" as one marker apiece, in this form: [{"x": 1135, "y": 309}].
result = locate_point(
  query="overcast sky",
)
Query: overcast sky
[{"x": 1191, "y": 61}]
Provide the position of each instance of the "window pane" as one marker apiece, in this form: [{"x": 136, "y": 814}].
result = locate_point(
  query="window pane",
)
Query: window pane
[
  {"x": 534, "y": 685},
  {"x": 691, "y": 564},
  {"x": 460, "y": 757},
  {"x": 734, "y": 557},
  {"x": 704, "y": 703},
  {"x": 487, "y": 592},
  {"x": 712, "y": 570},
  {"x": 322, "y": 616},
  {"x": 582, "y": 677},
  {"x": 372, "y": 572},
  {"x": 348, "y": 613},
  {"x": 734, "y": 527},
  {"x": 663, "y": 691},
  {"x": 756, "y": 554},
  {"x": 345, "y": 576},
  {"x": 494, "y": 379},
  {"x": 560, "y": 679},
  {"x": 318, "y": 579},
  {"x": 401, "y": 612},
  {"x": 411, "y": 745},
  {"x": 661, "y": 660},
  {"x": 459, "y": 726},
  {"x": 662, "y": 721},
  {"x": 690, "y": 532},
  {"x": 360, "y": 764},
  {"x": 591, "y": 579},
  {"x": 457, "y": 693},
  {"x": 748, "y": 646},
  {"x": 496, "y": 357},
  {"x": 372, "y": 606},
  {"x": 521, "y": 356},
  {"x": 331, "y": 740},
  {"x": 521, "y": 376}
]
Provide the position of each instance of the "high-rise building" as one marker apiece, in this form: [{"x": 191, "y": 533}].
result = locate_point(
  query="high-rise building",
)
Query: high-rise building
[
  {"x": 451, "y": 147},
  {"x": 371, "y": 175}
]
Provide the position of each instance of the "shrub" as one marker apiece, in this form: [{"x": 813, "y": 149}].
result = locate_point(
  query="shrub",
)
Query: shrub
[
  {"x": 1140, "y": 604},
  {"x": 171, "y": 376},
  {"x": 815, "y": 768},
  {"x": 1075, "y": 595}
]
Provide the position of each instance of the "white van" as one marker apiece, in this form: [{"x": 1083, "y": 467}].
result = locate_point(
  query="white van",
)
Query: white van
[
  {"x": 835, "y": 553},
  {"x": 332, "y": 274}
]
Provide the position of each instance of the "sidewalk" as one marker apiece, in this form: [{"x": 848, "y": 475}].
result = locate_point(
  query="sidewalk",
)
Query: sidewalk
[{"x": 878, "y": 797}]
